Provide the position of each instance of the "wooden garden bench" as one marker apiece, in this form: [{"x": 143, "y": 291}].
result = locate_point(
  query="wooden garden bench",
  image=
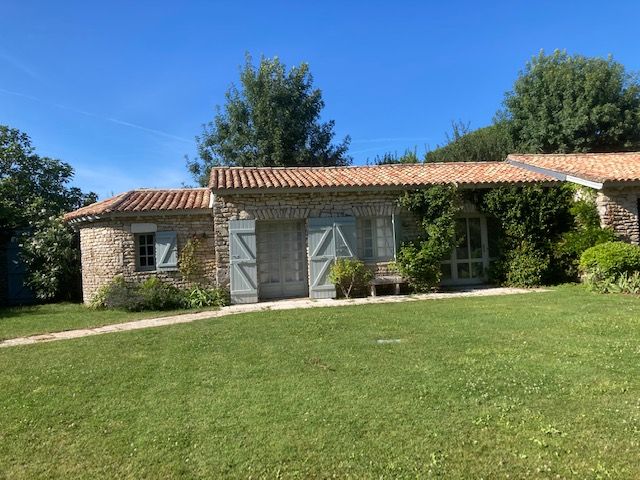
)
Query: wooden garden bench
[{"x": 394, "y": 280}]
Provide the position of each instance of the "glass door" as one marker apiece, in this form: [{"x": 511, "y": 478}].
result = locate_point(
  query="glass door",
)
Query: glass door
[
  {"x": 282, "y": 259},
  {"x": 468, "y": 262}
]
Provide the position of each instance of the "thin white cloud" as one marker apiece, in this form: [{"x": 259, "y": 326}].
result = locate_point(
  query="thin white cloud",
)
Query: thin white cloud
[
  {"x": 98, "y": 117},
  {"x": 374, "y": 149},
  {"x": 18, "y": 94},
  {"x": 18, "y": 65}
]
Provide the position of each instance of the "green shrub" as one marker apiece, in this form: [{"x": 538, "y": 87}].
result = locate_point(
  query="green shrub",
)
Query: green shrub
[
  {"x": 156, "y": 294},
  {"x": 585, "y": 234},
  {"x": 159, "y": 295},
  {"x": 350, "y": 276},
  {"x": 419, "y": 266},
  {"x": 624, "y": 283},
  {"x": 118, "y": 294},
  {"x": 629, "y": 283},
  {"x": 200, "y": 297},
  {"x": 611, "y": 259},
  {"x": 567, "y": 250},
  {"x": 525, "y": 266},
  {"x": 50, "y": 250}
]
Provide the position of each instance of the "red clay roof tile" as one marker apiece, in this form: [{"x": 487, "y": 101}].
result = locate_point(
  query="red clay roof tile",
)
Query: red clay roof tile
[
  {"x": 146, "y": 200},
  {"x": 597, "y": 167},
  {"x": 237, "y": 179}
]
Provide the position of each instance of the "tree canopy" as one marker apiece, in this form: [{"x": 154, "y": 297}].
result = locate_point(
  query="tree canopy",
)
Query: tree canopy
[
  {"x": 32, "y": 186},
  {"x": 562, "y": 104},
  {"x": 559, "y": 104},
  {"x": 34, "y": 193},
  {"x": 273, "y": 119},
  {"x": 409, "y": 156},
  {"x": 492, "y": 143}
]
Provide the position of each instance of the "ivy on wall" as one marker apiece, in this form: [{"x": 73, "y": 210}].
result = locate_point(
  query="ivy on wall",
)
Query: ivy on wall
[
  {"x": 419, "y": 260},
  {"x": 531, "y": 218},
  {"x": 541, "y": 232}
]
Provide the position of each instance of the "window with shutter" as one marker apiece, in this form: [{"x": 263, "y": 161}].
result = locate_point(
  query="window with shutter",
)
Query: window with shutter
[
  {"x": 166, "y": 251},
  {"x": 145, "y": 251}
]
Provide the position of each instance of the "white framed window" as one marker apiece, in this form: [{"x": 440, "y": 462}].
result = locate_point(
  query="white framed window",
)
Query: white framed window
[
  {"x": 146, "y": 251},
  {"x": 375, "y": 238}
]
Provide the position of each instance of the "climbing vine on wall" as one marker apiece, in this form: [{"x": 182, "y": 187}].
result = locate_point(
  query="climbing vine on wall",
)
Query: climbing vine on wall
[
  {"x": 532, "y": 219},
  {"x": 419, "y": 260},
  {"x": 190, "y": 267}
]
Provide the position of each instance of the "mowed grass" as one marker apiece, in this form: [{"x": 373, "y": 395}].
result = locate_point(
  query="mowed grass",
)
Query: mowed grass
[
  {"x": 539, "y": 385},
  {"x": 36, "y": 319}
]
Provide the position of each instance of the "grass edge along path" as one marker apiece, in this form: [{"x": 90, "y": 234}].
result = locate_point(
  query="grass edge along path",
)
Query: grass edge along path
[{"x": 165, "y": 318}]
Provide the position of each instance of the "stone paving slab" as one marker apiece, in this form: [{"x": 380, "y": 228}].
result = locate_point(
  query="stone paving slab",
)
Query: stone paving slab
[{"x": 256, "y": 307}]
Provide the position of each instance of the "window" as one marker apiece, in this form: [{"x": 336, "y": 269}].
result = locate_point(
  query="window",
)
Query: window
[
  {"x": 145, "y": 248},
  {"x": 375, "y": 238}
]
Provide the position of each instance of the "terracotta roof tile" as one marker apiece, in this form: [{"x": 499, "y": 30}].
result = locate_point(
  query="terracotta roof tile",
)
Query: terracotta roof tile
[
  {"x": 146, "y": 200},
  {"x": 225, "y": 179},
  {"x": 597, "y": 167}
]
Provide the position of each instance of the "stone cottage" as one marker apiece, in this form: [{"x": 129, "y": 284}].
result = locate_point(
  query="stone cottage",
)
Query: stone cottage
[{"x": 274, "y": 232}]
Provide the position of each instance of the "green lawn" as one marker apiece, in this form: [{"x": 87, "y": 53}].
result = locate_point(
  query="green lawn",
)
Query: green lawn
[
  {"x": 540, "y": 385},
  {"x": 22, "y": 321}
]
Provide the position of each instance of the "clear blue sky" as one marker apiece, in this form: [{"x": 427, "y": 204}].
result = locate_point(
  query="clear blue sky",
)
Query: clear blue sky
[{"x": 120, "y": 89}]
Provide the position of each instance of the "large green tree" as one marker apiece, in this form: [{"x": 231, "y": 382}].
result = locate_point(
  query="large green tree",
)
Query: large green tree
[
  {"x": 34, "y": 193},
  {"x": 559, "y": 104},
  {"x": 33, "y": 187},
  {"x": 272, "y": 119},
  {"x": 564, "y": 103}
]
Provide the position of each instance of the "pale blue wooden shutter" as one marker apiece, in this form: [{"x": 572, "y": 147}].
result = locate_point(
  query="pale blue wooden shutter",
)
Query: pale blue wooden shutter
[
  {"x": 242, "y": 264},
  {"x": 166, "y": 251},
  {"x": 328, "y": 238}
]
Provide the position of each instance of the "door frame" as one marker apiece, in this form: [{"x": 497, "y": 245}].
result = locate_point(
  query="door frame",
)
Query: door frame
[
  {"x": 453, "y": 261},
  {"x": 304, "y": 292}
]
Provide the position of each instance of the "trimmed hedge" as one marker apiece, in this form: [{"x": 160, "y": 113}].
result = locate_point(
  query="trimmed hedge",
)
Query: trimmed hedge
[{"x": 611, "y": 259}]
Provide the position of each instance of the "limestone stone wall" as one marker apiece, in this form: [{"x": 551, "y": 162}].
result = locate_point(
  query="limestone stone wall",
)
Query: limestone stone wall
[
  {"x": 618, "y": 209},
  {"x": 108, "y": 248},
  {"x": 284, "y": 206}
]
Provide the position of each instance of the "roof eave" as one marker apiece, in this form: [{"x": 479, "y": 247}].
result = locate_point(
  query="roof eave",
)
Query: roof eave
[
  {"x": 370, "y": 188},
  {"x": 145, "y": 213},
  {"x": 565, "y": 177}
]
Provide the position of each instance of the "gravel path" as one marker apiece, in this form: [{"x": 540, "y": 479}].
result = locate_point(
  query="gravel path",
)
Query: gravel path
[{"x": 256, "y": 307}]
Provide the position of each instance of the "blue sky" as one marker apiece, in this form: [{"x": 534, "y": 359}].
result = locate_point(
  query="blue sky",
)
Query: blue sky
[{"x": 120, "y": 89}]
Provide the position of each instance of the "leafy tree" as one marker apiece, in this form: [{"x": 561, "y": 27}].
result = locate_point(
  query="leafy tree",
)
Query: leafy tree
[
  {"x": 409, "y": 156},
  {"x": 562, "y": 104},
  {"x": 34, "y": 192},
  {"x": 273, "y": 119},
  {"x": 32, "y": 186},
  {"x": 492, "y": 143},
  {"x": 51, "y": 254}
]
